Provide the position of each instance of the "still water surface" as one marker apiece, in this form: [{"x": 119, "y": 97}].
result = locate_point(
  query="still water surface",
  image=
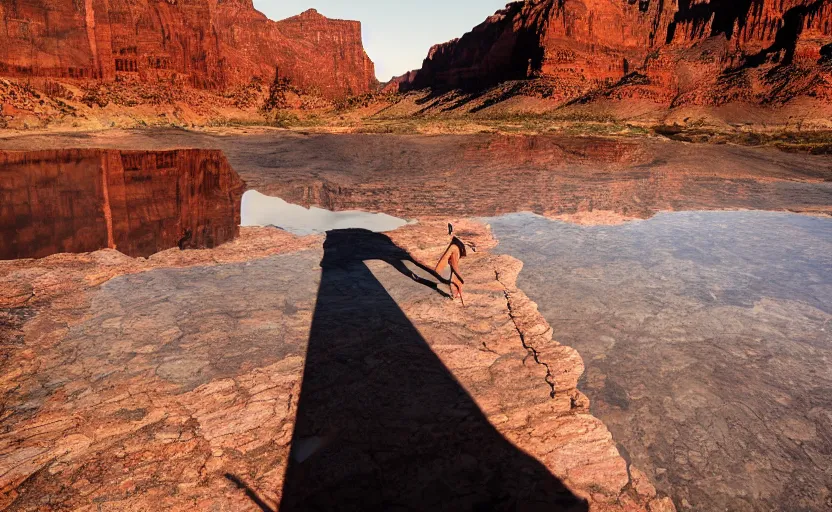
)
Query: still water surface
[
  {"x": 262, "y": 210},
  {"x": 707, "y": 338}
]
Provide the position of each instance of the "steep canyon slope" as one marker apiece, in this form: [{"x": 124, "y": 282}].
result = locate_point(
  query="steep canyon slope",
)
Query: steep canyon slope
[{"x": 673, "y": 53}]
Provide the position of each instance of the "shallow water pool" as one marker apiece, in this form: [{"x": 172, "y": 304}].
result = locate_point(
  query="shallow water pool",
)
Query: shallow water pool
[
  {"x": 707, "y": 338},
  {"x": 262, "y": 210}
]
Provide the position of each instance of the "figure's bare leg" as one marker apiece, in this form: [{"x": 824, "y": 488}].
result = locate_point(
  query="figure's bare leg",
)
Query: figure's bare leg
[
  {"x": 451, "y": 257},
  {"x": 456, "y": 288},
  {"x": 456, "y": 279},
  {"x": 443, "y": 261}
]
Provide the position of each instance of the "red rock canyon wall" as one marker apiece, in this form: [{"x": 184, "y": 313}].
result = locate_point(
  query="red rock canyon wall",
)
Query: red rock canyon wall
[
  {"x": 208, "y": 43},
  {"x": 674, "y": 46}
]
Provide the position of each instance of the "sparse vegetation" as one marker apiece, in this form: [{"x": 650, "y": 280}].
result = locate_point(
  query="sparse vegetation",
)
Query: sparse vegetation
[
  {"x": 277, "y": 98},
  {"x": 55, "y": 89},
  {"x": 364, "y": 100},
  {"x": 246, "y": 96},
  {"x": 814, "y": 142},
  {"x": 43, "y": 102},
  {"x": 95, "y": 95}
]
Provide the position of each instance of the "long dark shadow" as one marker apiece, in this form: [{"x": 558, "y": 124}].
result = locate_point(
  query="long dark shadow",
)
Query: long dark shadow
[{"x": 382, "y": 424}]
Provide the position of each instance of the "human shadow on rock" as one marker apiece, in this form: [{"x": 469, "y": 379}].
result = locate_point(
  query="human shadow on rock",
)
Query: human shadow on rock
[{"x": 382, "y": 424}]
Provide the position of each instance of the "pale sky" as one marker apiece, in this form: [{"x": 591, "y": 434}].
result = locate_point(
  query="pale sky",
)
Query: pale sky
[{"x": 397, "y": 34}]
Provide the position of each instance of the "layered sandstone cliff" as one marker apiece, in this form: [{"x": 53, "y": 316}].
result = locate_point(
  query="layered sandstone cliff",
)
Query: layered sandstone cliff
[
  {"x": 673, "y": 52},
  {"x": 207, "y": 44}
]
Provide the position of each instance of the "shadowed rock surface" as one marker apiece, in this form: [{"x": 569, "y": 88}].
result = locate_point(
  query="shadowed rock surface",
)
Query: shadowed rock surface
[
  {"x": 381, "y": 422},
  {"x": 139, "y": 202},
  {"x": 708, "y": 344}
]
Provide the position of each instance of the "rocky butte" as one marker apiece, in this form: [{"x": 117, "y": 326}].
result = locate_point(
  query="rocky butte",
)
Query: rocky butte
[
  {"x": 207, "y": 44},
  {"x": 683, "y": 52}
]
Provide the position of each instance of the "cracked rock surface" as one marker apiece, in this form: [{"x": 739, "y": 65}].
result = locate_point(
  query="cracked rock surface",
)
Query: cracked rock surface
[{"x": 177, "y": 383}]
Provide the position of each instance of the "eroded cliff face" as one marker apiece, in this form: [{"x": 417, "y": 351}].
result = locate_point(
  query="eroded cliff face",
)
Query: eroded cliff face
[
  {"x": 670, "y": 51},
  {"x": 139, "y": 202},
  {"x": 208, "y": 44}
]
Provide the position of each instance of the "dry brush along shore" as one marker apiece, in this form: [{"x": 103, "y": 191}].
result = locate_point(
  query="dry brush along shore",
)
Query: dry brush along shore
[{"x": 175, "y": 382}]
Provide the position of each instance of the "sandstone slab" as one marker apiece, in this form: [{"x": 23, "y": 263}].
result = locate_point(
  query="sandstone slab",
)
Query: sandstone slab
[{"x": 222, "y": 379}]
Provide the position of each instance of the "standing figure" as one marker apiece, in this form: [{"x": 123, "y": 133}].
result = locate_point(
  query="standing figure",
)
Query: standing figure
[{"x": 455, "y": 251}]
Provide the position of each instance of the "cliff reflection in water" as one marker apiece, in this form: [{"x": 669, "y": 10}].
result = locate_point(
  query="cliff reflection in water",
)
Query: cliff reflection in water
[{"x": 139, "y": 202}]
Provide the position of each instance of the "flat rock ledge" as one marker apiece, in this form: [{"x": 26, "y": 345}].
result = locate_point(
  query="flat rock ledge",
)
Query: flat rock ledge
[{"x": 173, "y": 382}]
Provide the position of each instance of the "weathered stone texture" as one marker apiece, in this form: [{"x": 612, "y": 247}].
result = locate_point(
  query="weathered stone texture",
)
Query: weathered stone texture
[
  {"x": 170, "y": 383},
  {"x": 706, "y": 51},
  {"x": 207, "y": 44}
]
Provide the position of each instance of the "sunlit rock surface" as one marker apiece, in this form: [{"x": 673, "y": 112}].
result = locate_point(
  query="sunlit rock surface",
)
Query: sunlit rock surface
[
  {"x": 203, "y": 43},
  {"x": 673, "y": 53},
  {"x": 175, "y": 382}
]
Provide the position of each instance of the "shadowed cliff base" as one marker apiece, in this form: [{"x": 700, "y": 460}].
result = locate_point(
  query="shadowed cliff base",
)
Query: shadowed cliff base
[{"x": 381, "y": 423}]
